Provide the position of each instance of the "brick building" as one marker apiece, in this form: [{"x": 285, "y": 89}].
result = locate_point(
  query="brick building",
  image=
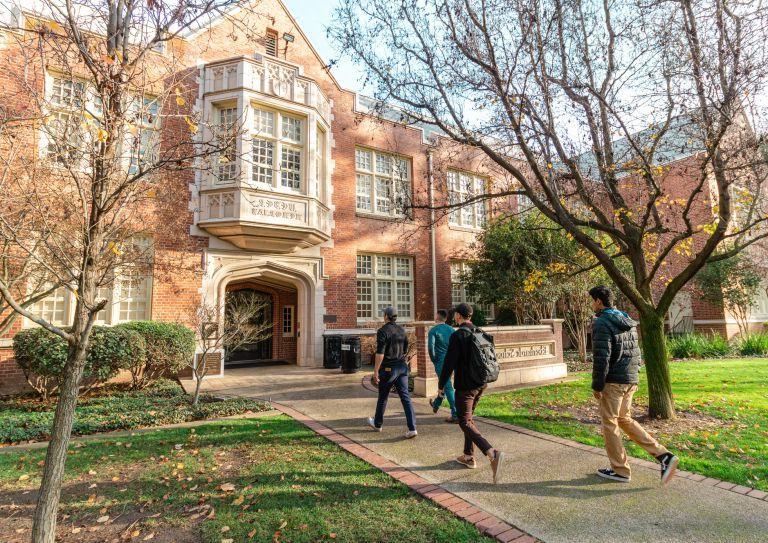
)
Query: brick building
[{"x": 311, "y": 215}]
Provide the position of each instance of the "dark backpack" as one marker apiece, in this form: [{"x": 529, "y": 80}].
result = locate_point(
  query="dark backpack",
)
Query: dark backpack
[{"x": 482, "y": 366}]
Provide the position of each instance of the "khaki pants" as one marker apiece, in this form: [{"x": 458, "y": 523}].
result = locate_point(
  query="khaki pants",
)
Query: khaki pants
[{"x": 616, "y": 415}]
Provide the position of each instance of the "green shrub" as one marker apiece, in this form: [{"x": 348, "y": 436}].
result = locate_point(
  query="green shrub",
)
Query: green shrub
[
  {"x": 698, "y": 346},
  {"x": 478, "y": 317},
  {"x": 170, "y": 347},
  {"x": 753, "y": 345},
  {"x": 42, "y": 356},
  {"x": 116, "y": 408}
]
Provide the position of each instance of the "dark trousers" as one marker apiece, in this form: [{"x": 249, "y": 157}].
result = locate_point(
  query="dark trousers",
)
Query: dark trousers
[
  {"x": 394, "y": 376},
  {"x": 466, "y": 401}
]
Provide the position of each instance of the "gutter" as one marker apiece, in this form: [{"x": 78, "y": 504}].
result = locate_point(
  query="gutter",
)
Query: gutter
[{"x": 432, "y": 231}]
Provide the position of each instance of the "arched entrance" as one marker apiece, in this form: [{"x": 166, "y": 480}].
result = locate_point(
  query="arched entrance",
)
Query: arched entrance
[
  {"x": 277, "y": 303},
  {"x": 257, "y": 352}
]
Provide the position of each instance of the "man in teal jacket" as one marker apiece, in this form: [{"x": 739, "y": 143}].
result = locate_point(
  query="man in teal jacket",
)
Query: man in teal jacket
[{"x": 438, "y": 346}]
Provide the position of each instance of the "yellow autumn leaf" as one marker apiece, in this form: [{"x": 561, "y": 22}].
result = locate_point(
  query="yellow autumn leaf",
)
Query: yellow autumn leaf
[
  {"x": 102, "y": 135},
  {"x": 192, "y": 126},
  {"x": 180, "y": 100}
]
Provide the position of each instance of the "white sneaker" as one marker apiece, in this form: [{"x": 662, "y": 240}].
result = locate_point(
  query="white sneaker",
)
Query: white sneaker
[
  {"x": 372, "y": 424},
  {"x": 410, "y": 434}
]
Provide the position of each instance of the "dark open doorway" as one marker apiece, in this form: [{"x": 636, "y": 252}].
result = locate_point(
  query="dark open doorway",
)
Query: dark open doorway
[{"x": 261, "y": 351}]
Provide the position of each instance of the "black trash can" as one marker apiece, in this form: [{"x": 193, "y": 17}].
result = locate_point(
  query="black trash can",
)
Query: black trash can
[
  {"x": 332, "y": 352},
  {"x": 351, "y": 360}
]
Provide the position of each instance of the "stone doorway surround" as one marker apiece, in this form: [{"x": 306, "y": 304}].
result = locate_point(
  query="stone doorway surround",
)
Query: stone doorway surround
[{"x": 303, "y": 274}]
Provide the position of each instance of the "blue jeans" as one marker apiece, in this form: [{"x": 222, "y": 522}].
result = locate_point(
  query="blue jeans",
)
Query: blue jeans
[
  {"x": 450, "y": 394},
  {"x": 396, "y": 376}
]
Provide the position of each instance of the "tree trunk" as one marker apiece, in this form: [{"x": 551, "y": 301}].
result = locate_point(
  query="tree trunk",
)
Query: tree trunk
[
  {"x": 198, "y": 383},
  {"x": 44, "y": 520},
  {"x": 654, "y": 344}
]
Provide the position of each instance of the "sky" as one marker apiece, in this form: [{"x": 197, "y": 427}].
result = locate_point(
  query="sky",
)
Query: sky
[{"x": 314, "y": 16}]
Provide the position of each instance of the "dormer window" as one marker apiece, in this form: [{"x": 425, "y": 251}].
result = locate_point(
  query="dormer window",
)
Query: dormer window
[{"x": 270, "y": 42}]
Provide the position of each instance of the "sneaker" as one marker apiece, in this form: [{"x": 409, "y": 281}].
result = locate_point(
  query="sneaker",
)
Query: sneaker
[
  {"x": 452, "y": 420},
  {"x": 372, "y": 424},
  {"x": 410, "y": 434},
  {"x": 496, "y": 462},
  {"x": 608, "y": 473},
  {"x": 669, "y": 464},
  {"x": 468, "y": 461}
]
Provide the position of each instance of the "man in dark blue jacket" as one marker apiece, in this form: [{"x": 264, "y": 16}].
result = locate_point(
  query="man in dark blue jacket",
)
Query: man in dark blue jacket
[{"x": 616, "y": 364}]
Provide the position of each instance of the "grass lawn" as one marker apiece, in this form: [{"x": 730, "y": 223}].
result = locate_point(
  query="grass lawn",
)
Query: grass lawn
[
  {"x": 116, "y": 408},
  {"x": 721, "y": 432},
  {"x": 259, "y": 479}
]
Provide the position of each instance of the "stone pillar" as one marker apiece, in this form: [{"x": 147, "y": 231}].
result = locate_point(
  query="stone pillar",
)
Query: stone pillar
[
  {"x": 425, "y": 381},
  {"x": 557, "y": 330}
]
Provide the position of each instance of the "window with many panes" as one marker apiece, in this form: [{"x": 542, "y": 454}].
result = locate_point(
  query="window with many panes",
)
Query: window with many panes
[
  {"x": 459, "y": 269},
  {"x": 288, "y": 316},
  {"x": 382, "y": 281},
  {"x": 383, "y": 182},
  {"x": 463, "y": 186},
  {"x": 759, "y": 308},
  {"x": 278, "y": 141},
  {"x": 226, "y": 132},
  {"x": 128, "y": 295},
  {"x": 75, "y": 119}
]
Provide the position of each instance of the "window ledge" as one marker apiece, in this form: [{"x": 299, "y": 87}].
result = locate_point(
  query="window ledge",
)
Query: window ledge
[
  {"x": 381, "y": 217},
  {"x": 469, "y": 229}
]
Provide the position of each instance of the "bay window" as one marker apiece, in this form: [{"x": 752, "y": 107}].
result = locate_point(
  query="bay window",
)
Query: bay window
[{"x": 278, "y": 138}]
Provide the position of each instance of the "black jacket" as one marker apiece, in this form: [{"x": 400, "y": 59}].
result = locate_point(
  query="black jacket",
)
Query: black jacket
[
  {"x": 457, "y": 357},
  {"x": 616, "y": 353},
  {"x": 392, "y": 342}
]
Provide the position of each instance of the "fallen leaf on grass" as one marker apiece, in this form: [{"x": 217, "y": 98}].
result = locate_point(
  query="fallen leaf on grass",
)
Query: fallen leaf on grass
[
  {"x": 102, "y": 519},
  {"x": 252, "y": 533},
  {"x": 227, "y": 487},
  {"x": 239, "y": 500},
  {"x": 148, "y": 536},
  {"x": 23, "y": 477},
  {"x": 224, "y": 529}
]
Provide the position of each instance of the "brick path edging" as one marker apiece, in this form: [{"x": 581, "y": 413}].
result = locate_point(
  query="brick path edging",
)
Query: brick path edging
[
  {"x": 485, "y": 522},
  {"x": 695, "y": 477}
]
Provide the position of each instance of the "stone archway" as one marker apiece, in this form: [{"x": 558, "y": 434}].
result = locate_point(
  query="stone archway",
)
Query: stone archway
[{"x": 295, "y": 275}]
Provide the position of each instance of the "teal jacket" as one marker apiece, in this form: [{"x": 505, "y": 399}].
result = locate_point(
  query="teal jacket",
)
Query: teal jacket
[{"x": 437, "y": 342}]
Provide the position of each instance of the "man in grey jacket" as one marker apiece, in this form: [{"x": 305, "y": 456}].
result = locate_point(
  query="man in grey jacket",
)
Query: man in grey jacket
[{"x": 616, "y": 364}]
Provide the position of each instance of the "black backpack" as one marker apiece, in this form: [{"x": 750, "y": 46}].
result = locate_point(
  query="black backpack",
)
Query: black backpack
[{"x": 482, "y": 366}]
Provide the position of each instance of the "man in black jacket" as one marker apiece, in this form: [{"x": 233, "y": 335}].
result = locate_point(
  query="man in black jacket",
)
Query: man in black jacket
[
  {"x": 391, "y": 370},
  {"x": 467, "y": 393},
  {"x": 616, "y": 363}
]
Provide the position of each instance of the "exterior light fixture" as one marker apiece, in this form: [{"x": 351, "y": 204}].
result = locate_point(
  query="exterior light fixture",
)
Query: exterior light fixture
[{"x": 288, "y": 37}]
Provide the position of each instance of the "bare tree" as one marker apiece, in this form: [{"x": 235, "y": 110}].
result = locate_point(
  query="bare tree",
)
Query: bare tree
[
  {"x": 98, "y": 133},
  {"x": 627, "y": 123},
  {"x": 243, "y": 319}
]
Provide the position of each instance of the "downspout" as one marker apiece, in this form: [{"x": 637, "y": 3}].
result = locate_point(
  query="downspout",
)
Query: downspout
[{"x": 432, "y": 231}]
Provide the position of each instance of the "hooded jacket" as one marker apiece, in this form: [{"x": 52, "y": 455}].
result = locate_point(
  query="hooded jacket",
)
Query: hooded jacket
[{"x": 615, "y": 348}]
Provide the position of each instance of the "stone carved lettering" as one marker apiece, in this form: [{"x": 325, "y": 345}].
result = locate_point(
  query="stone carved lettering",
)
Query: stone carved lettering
[
  {"x": 526, "y": 351},
  {"x": 274, "y": 208}
]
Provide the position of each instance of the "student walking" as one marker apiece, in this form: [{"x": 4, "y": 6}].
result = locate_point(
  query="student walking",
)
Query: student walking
[
  {"x": 616, "y": 363},
  {"x": 391, "y": 369},
  {"x": 437, "y": 342},
  {"x": 471, "y": 356}
]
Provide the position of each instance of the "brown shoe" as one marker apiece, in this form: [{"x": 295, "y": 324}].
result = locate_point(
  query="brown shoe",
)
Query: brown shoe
[
  {"x": 468, "y": 461},
  {"x": 452, "y": 420},
  {"x": 496, "y": 462}
]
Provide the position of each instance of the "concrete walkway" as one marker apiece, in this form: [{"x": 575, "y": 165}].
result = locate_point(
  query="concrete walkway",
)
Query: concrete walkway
[{"x": 548, "y": 487}]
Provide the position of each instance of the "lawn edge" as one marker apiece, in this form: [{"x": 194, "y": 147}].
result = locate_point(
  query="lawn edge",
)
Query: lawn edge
[{"x": 485, "y": 522}]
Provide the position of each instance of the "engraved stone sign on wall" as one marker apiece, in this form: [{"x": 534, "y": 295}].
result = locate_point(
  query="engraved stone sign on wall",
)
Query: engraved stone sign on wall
[
  {"x": 279, "y": 210},
  {"x": 525, "y": 351}
]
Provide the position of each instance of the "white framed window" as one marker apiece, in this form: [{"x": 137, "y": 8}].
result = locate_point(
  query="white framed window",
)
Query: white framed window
[
  {"x": 288, "y": 316},
  {"x": 74, "y": 122},
  {"x": 54, "y": 308},
  {"x": 383, "y": 183},
  {"x": 382, "y": 281},
  {"x": 463, "y": 186},
  {"x": 278, "y": 139},
  {"x": 459, "y": 269},
  {"x": 760, "y": 306},
  {"x": 128, "y": 291},
  {"x": 226, "y": 126}
]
